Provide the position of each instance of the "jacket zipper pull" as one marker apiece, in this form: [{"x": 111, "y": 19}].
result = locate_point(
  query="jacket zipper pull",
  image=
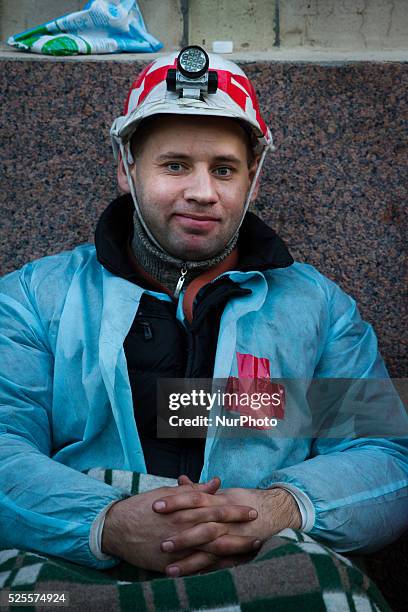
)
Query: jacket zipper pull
[
  {"x": 180, "y": 281},
  {"x": 147, "y": 330}
]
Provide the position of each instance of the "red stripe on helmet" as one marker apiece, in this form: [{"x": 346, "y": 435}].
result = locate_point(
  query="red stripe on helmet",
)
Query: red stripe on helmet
[
  {"x": 149, "y": 80},
  {"x": 136, "y": 83},
  {"x": 239, "y": 97}
]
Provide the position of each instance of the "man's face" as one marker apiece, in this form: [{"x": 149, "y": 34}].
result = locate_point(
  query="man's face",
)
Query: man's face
[{"x": 192, "y": 178}]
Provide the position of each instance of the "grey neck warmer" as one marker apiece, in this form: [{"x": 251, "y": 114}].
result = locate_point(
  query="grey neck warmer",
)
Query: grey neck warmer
[{"x": 165, "y": 268}]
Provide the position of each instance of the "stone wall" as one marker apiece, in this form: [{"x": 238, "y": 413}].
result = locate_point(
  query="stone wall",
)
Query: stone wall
[{"x": 335, "y": 188}]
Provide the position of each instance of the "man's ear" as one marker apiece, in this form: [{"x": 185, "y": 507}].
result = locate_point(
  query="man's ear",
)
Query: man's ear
[{"x": 121, "y": 176}]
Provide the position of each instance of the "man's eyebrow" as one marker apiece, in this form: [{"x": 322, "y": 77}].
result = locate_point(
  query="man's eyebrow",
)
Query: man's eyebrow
[
  {"x": 228, "y": 158},
  {"x": 172, "y": 155},
  {"x": 178, "y": 155}
]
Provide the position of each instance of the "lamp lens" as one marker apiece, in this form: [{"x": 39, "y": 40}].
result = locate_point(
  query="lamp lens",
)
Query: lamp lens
[{"x": 192, "y": 60}]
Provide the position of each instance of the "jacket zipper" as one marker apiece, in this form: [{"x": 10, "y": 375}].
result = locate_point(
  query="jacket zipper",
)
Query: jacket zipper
[
  {"x": 180, "y": 282},
  {"x": 190, "y": 351}
]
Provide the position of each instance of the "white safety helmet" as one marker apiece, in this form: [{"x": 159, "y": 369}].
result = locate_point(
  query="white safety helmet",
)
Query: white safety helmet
[{"x": 190, "y": 82}]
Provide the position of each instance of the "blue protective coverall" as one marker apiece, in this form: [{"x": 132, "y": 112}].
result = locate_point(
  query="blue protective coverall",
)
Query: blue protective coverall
[{"x": 66, "y": 404}]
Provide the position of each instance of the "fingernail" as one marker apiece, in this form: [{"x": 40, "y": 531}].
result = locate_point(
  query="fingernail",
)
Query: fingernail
[
  {"x": 167, "y": 546},
  {"x": 173, "y": 571},
  {"x": 159, "y": 505},
  {"x": 256, "y": 544},
  {"x": 252, "y": 514}
]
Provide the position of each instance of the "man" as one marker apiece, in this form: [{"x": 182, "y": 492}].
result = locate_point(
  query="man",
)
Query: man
[{"x": 183, "y": 282}]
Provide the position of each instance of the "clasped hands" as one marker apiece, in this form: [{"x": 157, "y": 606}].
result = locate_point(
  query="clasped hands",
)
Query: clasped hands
[{"x": 195, "y": 527}]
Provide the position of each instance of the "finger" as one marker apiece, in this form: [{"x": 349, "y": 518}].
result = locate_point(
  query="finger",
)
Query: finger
[
  {"x": 209, "y": 487},
  {"x": 193, "y": 537},
  {"x": 216, "y": 514},
  {"x": 182, "y": 500},
  {"x": 190, "y": 565},
  {"x": 232, "y": 545},
  {"x": 190, "y": 499},
  {"x": 183, "y": 480}
]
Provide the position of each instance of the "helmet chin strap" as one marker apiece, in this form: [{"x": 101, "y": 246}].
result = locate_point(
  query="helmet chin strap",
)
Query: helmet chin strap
[
  {"x": 253, "y": 184},
  {"x": 127, "y": 159}
]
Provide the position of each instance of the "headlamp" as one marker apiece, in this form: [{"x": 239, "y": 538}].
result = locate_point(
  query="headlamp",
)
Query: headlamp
[
  {"x": 191, "y": 78},
  {"x": 193, "y": 62}
]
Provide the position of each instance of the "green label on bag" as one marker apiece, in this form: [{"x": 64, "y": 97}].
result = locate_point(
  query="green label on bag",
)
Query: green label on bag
[{"x": 61, "y": 46}]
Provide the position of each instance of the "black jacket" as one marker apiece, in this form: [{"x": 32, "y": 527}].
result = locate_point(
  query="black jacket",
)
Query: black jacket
[{"x": 159, "y": 346}]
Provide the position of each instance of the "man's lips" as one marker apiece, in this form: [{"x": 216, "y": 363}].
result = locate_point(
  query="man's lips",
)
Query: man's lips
[{"x": 192, "y": 221}]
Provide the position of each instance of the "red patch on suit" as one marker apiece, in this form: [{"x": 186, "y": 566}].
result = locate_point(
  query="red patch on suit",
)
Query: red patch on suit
[{"x": 254, "y": 380}]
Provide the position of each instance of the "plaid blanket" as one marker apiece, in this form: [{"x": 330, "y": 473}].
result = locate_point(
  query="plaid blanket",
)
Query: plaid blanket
[{"x": 291, "y": 572}]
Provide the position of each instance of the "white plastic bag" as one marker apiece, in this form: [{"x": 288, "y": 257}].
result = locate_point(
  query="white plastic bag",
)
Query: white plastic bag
[{"x": 103, "y": 26}]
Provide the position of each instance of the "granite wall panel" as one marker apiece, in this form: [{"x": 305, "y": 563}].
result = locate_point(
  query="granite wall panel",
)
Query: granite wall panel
[{"x": 335, "y": 188}]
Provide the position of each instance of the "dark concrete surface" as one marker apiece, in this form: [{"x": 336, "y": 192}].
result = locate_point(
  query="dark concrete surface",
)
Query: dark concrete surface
[{"x": 335, "y": 189}]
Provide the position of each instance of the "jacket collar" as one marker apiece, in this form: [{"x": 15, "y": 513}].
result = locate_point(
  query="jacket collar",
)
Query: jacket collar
[{"x": 259, "y": 247}]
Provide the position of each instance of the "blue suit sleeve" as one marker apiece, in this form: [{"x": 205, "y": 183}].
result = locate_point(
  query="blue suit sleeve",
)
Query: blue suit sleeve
[
  {"x": 357, "y": 485},
  {"x": 44, "y": 506}
]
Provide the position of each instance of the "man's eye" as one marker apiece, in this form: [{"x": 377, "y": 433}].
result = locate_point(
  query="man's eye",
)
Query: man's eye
[
  {"x": 223, "y": 171},
  {"x": 174, "y": 167}
]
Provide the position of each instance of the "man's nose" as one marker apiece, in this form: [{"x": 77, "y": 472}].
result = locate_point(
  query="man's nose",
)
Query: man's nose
[{"x": 201, "y": 187}]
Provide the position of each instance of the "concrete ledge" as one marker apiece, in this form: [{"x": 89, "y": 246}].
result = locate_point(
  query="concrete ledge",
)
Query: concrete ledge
[{"x": 294, "y": 56}]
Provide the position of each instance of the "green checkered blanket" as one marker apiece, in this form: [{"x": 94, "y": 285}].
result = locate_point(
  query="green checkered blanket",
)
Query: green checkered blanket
[{"x": 291, "y": 572}]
